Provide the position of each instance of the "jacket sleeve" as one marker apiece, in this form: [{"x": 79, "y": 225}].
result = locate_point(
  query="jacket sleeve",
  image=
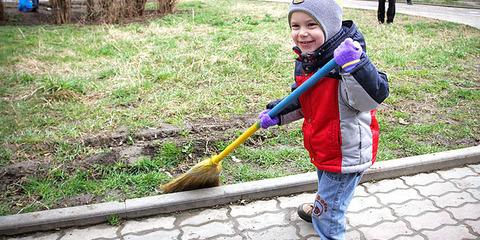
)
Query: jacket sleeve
[
  {"x": 292, "y": 112},
  {"x": 365, "y": 87}
]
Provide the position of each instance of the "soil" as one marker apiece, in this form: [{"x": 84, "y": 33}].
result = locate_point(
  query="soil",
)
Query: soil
[
  {"x": 43, "y": 16},
  {"x": 15, "y": 17}
]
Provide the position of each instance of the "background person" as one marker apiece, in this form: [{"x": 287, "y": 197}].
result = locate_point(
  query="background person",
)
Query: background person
[{"x": 390, "y": 11}]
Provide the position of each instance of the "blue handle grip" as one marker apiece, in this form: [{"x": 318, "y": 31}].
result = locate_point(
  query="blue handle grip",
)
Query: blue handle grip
[{"x": 322, "y": 72}]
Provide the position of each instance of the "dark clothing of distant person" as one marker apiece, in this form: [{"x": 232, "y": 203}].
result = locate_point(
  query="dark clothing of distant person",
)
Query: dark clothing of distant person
[{"x": 390, "y": 11}]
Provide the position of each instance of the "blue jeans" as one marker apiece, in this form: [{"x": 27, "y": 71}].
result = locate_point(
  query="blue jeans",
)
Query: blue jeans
[{"x": 335, "y": 191}]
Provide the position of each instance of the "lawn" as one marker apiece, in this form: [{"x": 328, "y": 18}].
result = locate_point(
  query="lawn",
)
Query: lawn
[{"x": 76, "y": 100}]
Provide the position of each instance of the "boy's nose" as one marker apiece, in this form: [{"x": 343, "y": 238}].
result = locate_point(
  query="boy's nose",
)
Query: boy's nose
[{"x": 304, "y": 32}]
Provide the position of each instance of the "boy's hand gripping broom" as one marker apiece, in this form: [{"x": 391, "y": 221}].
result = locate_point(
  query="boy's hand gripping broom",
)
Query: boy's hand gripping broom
[{"x": 206, "y": 173}]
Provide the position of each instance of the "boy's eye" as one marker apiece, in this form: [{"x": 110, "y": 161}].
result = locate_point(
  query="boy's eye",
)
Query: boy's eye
[
  {"x": 295, "y": 26},
  {"x": 312, "y": 24}
]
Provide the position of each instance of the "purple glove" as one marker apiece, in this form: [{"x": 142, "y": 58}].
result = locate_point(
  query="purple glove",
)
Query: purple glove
[
  {"x": 347, "y": 55},
  {"x": 266, "y": 121}
]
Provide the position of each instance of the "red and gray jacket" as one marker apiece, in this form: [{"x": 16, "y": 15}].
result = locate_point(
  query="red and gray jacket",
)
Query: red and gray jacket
[{"x": 340, "y": 129}]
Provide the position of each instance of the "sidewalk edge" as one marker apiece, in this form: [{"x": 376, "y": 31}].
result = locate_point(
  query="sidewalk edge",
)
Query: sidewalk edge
[{"x": 168, "y": 203}]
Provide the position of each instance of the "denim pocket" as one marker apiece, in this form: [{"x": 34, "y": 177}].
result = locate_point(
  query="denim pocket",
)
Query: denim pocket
[{"x": 334, "y": 176}]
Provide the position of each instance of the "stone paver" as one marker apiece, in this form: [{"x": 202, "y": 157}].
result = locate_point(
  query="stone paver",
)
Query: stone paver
[
  {"x": 236, "y": 237},
  {"x": 454, "y": 199},
  {"x": 280, "y": 233},
  {"x": 38, "y": 236},
  {"x": 360, "y": 203},
  {"x": 430, "y": 220},
  {"x": 253, "y": 208},
  {"x": 306, "y": 229},
  {"x": 475, "y": 168},
  {"x": 385, "y": 186},
  {"x": 294, "y": 201},
  {"x": 468, "y": 182},
  {"x": 474, "y": 192},
  {"x": 167, "y": 235},
  {"x": 99, "y": 231},
  {"x": 386, "y": 230},
  {"x": 422, "y": 179},
  {"x": 413, "y": 208},
  {"x": 457, "y": 173},
  {"x": 398, "y": 196},
  {"x": 370, "y": 216},
  {"x": 414, "y": 237},
  {"x": 475, "y": 225},
  {"x": 437, "y": 189},
  {"x": 470, "y": 211},
  {"x": 206, "y": 216},
  {"x": 353, "y": 235},
  {"x": 261, "y": 221},
  {"x": 361, "y": 192},
  {"x": 148, "y": 224},
  {"x": 208, "y": 230},
  {"x": 450, "y": 233}
]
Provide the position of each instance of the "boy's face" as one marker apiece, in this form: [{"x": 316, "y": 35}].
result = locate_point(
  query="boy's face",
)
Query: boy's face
[{"x": 306, "y": 33}]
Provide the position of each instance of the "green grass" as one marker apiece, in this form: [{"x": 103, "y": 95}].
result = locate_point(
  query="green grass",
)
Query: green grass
[{"x": 210, "y": 61}]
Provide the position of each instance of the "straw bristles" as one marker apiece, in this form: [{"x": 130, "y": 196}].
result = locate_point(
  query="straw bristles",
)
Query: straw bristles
[{"x": 204, "y": 174}]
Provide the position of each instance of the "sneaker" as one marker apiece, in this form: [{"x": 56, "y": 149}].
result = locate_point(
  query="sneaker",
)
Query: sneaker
[{"x": 305, "y": 211}]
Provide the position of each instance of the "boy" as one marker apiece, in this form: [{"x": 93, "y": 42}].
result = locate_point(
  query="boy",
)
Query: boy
[{"x": 340, "y": 129}]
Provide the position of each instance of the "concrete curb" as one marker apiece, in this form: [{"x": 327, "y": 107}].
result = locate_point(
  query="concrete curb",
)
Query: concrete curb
[{"x": 168, "y": 203}]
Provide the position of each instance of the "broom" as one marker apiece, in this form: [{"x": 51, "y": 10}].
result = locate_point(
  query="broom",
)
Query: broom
[{"x": 206, "y": 173}]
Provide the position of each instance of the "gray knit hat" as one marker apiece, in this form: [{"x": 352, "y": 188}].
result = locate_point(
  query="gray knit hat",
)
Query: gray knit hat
[{"x": 327, "y": 13}]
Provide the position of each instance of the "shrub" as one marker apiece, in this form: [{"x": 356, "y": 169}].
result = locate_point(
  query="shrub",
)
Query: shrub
[{"x": 107, "y": 11}]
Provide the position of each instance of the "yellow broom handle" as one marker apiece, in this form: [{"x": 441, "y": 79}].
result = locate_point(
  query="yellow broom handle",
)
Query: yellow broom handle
[{"x": 241, "y": 139}]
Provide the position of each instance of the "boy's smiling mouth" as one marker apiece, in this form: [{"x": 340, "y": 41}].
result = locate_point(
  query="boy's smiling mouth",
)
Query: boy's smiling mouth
[
  {"x": 306, "y": 42},
  {"x": 306, "y": 45}
]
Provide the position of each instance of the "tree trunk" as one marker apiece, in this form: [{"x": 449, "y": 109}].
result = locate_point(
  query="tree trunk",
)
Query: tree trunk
[
  {"x": 166, "y": 6},
  {"x": 140, "y": 7},
  {"x": 61, "y": 10},
  {"x": 2, "y": 12}
]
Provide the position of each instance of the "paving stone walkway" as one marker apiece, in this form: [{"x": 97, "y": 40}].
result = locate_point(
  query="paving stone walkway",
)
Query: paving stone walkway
[{"x": 438, "y": 205}]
